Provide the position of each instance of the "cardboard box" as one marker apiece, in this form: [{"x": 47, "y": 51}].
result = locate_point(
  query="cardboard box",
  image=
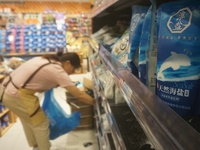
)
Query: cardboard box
[{"x": 87, "y": 83}]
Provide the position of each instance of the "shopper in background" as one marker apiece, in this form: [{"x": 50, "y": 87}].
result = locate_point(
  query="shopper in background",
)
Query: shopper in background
[{"x": 38, "y": 75}]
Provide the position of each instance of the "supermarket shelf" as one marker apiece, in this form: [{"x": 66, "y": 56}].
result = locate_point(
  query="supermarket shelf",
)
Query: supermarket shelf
[
  {"x": 155, "y": 117},
  {"x": 114, "y": 6},
  {"x": 26, "y": 54},
  {"x": 103, "y": 136},
  {"x": 2, "y": 132},
  {"x": 94, "y": 45},
  {"x": 119, "y": 121},
  {"x": 101, "y": 7},
  {"x": 4, "y": 112}
]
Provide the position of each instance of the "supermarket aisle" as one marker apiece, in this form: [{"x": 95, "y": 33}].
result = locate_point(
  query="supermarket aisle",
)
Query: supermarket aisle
[{"x": 15, "y": 139}]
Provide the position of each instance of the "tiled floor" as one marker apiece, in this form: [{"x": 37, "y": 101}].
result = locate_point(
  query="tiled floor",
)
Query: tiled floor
[{"x": 14, "y": 139}]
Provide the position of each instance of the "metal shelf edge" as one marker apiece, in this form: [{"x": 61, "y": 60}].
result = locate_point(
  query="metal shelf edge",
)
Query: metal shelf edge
[{"x": 155, "y": 117}]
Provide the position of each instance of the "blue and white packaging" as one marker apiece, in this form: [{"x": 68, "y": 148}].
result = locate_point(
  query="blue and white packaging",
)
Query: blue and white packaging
[
  {"x": 178, "y": 62},
  {"x": 121, "y": 48},
  {"x": 37, "y": 39},
  {"x": 148, "y": 49},
  {"x": 28, "y": 38},
  {"x": 144, "y": 46},
  {"x": 138, "y": 15},
  {"x": 45, "y": 32},
  {"x": 37, "y": 33},
  {"x": 152, "y": 52},
  {"x": 28, "y": 32}
]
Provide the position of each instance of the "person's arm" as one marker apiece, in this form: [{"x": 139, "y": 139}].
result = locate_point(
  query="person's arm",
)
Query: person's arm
[{"x": 80, "y": 95}]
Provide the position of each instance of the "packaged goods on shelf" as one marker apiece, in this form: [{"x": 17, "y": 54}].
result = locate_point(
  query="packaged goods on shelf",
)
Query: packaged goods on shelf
[
  {"x": 105, "y": 123},
  {"x": 30, "y": 38},
  {"x": 2, "y": 107},
  {"x": 171, "y": 76},
  {"x": 109, "y": 85},
  {"x": 78, "y": 25},
  {"x": 121, "y": 48},
  {"x": 4, "y": 122},
  {"x": 109, "y": 35},
  {"x": 178, "y": 60},
  {"x": 137, "y": 19},
  {"x": 148, "y": 50}
]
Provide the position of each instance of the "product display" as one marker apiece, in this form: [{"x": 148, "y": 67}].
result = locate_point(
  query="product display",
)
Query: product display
[
  {"x": 33, "y": 38},
  {"x": 7, "y": 119},
  {"x": 178, "y": 60},
  {"x": 137, "y": 19},
  {"x": 144, "y": 61},
  {"x": 121, "y": 48},
  {"x": 155, "y": 42},
  {"x": 147, "y": 50},
  {"x": 109, "y": 35}
]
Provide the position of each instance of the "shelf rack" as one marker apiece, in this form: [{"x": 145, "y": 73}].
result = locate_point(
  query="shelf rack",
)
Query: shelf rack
[
  {"x": 114, "y": 140},
  {"x": 12, "y": 120},
  {"x": 101, "y": 133},
  {"x": 163, "y": 127}
]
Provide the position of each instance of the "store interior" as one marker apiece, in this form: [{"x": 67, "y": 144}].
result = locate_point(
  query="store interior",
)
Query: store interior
[{"x": 139, "y": 59}]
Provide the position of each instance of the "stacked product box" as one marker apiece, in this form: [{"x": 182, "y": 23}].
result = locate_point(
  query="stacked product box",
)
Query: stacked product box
[
  {"x": 2, "y": 41},
  {"x": 61, "y": 37},
  {"x": 51, "y": 32},
  {"x": 4, "y": 122},
  {"x": 54, "y": 37},
  {"x": 33, "y": 38},
  {"x": 19, "y": 41},
  {"x": 10, "y": 39},
  {"x": 28, "y": 38},
  {"x": 37, "y": 39},
  {"x": 2, "y": 107}
]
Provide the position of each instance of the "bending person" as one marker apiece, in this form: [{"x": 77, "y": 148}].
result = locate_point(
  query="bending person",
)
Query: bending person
[{"x": 39, "y": 74}]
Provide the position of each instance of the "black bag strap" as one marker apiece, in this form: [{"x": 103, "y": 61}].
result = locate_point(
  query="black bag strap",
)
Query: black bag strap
[
  {"x": 5, "y": 85},
  {"x": 33, "y": 74},
  {"x": 28, "y": 80}
]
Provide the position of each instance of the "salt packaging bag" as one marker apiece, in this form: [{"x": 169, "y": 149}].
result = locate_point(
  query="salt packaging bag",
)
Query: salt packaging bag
[
  {"x": 147, "y": 50},
  {"x": 152, "y": 51},
  {"x": 137, "y": 19},
  {"x": 178, "y": 59},
  {"x": 144, "y": 46}
]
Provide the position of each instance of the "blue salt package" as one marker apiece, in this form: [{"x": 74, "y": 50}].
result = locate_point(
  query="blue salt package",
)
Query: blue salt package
[
  {"x": 152, "y": 52},
  {"x": 144, "y": 46},
  {"x": 138, "y": 15},
  {"x": 178, "y": 62}
]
